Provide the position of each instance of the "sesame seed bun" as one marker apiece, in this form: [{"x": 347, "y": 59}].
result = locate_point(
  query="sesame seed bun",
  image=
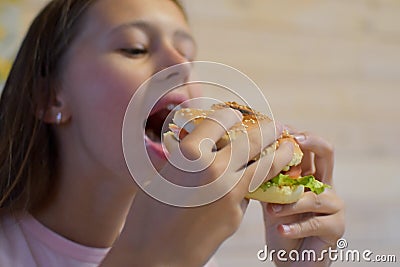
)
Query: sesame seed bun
[{"x": 186, "y": 119}]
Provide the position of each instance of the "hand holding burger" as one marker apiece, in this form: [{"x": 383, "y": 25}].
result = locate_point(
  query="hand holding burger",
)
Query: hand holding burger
[{"x": 287, "y": 187}]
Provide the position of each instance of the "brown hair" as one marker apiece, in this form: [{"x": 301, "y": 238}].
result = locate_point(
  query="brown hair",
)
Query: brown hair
[
  {"x": 28, "y": 151},
  {"x": 28, "y": 148}
]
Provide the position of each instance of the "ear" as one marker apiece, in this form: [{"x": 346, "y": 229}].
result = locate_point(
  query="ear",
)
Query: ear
[{"x": 57, "y": 112}]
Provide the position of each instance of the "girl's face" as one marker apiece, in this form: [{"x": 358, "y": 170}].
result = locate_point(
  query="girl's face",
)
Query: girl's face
[{"x": 120, "y": 45}]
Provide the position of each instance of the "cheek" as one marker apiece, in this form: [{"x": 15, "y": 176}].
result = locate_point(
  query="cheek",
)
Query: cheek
[
  {"x": 108, "y": 86},
  {"x": 103, "y": 95},
  {"x": 100, "y": 94}
]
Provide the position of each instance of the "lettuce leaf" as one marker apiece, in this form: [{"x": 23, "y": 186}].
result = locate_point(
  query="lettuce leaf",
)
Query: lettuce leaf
[{"x": 307, "y": 181}]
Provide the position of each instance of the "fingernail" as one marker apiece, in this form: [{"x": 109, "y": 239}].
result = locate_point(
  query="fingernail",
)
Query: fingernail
[
  {"x": 285, "y": 228},
  {"x": 300, "y": 137},
  {"x": 289, "y": 145},
  {"x": 276, "y": 208}
]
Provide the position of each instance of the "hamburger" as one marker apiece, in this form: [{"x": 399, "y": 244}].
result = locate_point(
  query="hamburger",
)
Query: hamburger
[{"x": 287, "y": 187}]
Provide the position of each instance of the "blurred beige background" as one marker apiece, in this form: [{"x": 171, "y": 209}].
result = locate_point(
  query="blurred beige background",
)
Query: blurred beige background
[{"x": 331, "y": 67}]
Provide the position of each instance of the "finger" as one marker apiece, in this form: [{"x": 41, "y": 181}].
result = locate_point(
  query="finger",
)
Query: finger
[
  {"x": 170, "y": 142},
  {"x": 246, "y": 146},
  {"x": 325, "y": 203},
  {"x": 283, "y": 155},
  {"x": 323, "y": 155},
  {"x": 212, "y": 128},
  {"x": 258, "y": 171},
  {"x": 307, "y": 163},
  {"x": 324, "y": 168},
  {"x": 262, "y": 170},
  {"x": 329, "y": 228}
]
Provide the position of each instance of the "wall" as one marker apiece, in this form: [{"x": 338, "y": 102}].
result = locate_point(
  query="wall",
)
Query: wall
[
  {"x": 330, "y": 67},
  {"x": 15, "y": 15}
]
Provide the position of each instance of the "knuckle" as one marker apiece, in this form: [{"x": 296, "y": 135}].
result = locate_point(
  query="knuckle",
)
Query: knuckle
[
  {"x": 340, "y": 225},
  {"x": 316, "y": 201},
  {"x": 255, "y": 143},
  {"x": 189, "y": 149},
  {"x": 329, "y": 148},
  {"x": 337, "y": 232},
  {"x": 296, "y": 228},
  {"x": 337, "y": 203},
  {"x": 226, "y": 115},
  {"x": 312, "y": 226}
]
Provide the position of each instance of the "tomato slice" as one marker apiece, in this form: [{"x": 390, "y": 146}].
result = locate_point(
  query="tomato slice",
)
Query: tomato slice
[
  {"x": 182, "y": 133},
  {"x": 293, "y": 172}
]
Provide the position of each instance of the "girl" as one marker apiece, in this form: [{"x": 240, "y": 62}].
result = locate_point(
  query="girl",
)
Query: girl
[{"x": 65, "y": 191}]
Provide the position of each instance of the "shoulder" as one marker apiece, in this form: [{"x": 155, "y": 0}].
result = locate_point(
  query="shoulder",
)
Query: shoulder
[{"x": 27, "y": 238}]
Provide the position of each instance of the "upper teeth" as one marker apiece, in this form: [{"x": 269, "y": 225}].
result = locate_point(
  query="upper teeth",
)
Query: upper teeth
[{"x": 171, "y": 106}]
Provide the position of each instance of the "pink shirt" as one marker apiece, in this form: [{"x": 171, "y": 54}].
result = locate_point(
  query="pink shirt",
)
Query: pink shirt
[{"x": 26, "y": 242}]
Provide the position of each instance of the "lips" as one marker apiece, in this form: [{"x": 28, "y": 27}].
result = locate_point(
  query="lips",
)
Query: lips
[
  {"x": 171, "y": 99},
  {"x": 157, "y": 118}
]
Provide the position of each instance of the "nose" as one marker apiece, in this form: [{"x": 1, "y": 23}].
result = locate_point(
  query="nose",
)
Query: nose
[{"x": 172, "y": 64}]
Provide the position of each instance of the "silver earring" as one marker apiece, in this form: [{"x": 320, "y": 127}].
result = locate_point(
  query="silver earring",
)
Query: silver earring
[{"x": 58, "y": 117}]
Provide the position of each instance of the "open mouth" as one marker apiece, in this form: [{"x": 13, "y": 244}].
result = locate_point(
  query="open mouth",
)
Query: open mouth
[
  {"x": 160, "y": 115},
  {"x": 155, "y": 122}
]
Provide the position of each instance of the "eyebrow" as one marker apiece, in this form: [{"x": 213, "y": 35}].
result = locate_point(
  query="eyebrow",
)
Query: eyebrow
[
  {"x": 143, "y": 25},
  {"x": 135, "y": 24}
]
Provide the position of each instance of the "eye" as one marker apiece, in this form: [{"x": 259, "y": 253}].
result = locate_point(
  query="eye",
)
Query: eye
[{"x": 134, "y": 52}]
